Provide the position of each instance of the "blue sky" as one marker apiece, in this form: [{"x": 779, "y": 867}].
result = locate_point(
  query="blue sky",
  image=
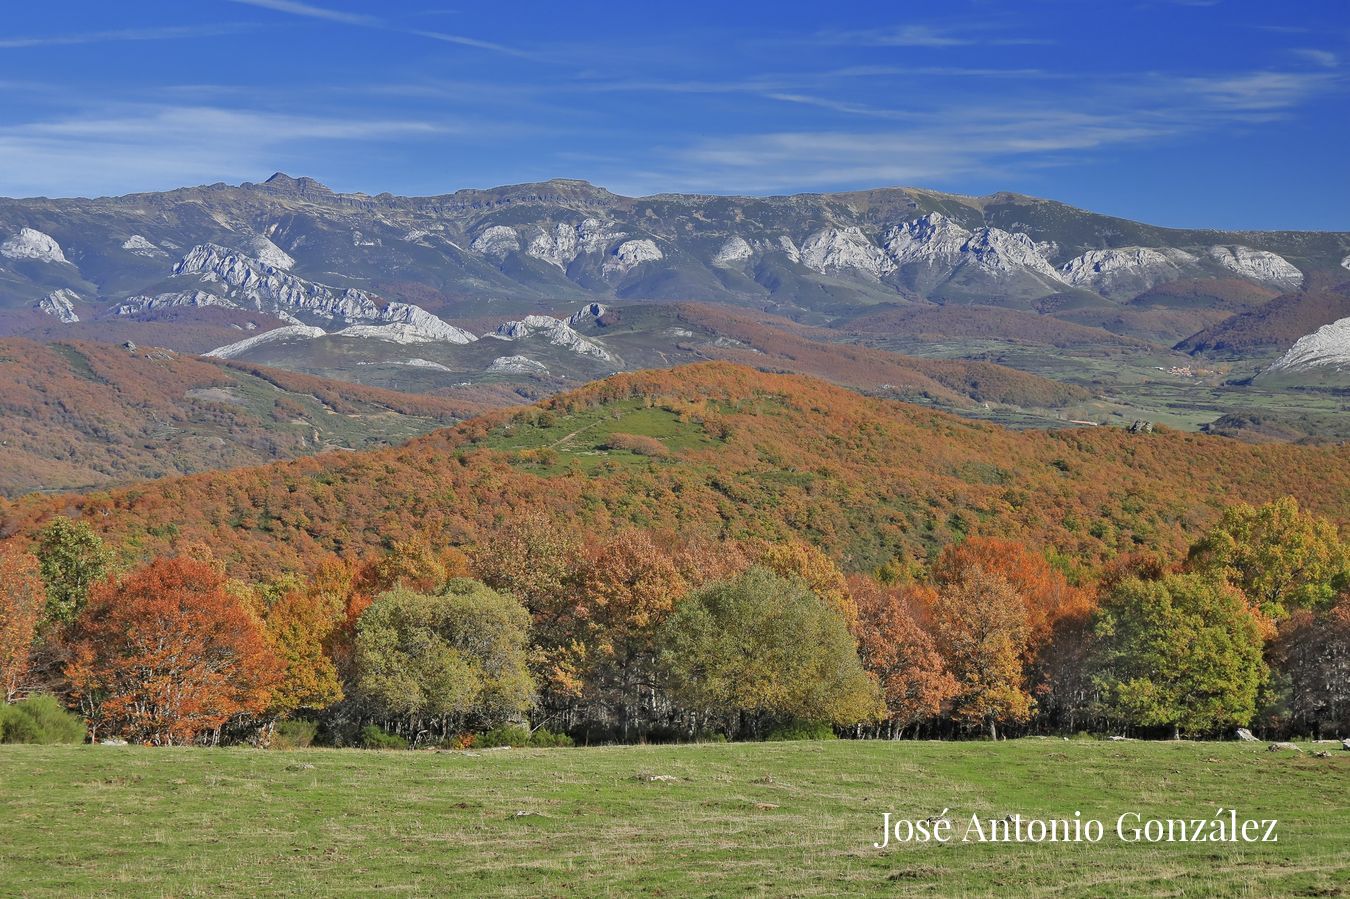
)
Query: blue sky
[{"x": 1224, "y": 113}]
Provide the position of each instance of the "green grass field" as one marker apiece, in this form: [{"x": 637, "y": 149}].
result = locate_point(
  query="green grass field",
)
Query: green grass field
[{"x": 784, "y": 818}]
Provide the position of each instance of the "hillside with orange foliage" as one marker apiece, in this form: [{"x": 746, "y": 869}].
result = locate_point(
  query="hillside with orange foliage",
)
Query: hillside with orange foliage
[
  {"x": 750, "y": 455},
  {"x": 78, "y": 415},
  {"x": 772, "y": 342}
]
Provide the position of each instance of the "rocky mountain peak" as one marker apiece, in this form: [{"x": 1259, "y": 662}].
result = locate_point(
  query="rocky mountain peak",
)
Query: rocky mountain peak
[{"x": 281, "y": 181}]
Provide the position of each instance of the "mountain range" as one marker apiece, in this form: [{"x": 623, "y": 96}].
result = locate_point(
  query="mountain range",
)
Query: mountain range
[{"x": 813, "y": 254}]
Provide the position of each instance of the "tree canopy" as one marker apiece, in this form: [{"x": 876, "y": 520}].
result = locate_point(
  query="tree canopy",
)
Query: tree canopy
[
  {"x": 1280, "y": 556},
  {"x": 450, "y": 658},
  {"x": 765, "y": 645},
  {"x": 1183, "y": 652},
  {"x": 167, "y": 652}
]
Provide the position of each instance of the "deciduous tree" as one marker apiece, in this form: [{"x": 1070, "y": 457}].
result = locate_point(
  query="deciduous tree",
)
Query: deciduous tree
[
  {"x": 534, "y": 560},
  {"x": 22, "y": 598},
  {"x": 72, "y": 559},
  {"x": 896, "y": 650},
  {"x": 1281, "y": 557},
  {"x": 1182, "y": 652},
  {"x": 1312, "y": 653},
  {"x": 981, "y": 628},
  {"x": 299, "y": 624},
  {"x": 1047, "y": 594},
  {"x": 626, "y": 588},
  {"x": 440, "y": 661},
  {"x": 167, "y": 654},
  {"x": 766, "y": 646},
  {"x": 796, "y": 558}
]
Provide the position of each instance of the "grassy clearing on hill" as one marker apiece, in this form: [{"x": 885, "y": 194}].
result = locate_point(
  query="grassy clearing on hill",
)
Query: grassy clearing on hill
[{"x": 786, "y": 818}]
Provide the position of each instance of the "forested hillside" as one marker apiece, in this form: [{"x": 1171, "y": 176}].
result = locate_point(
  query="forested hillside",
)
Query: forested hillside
[
  {"x": 80, "y": 415},
  {"x": 724, "y": 451}
]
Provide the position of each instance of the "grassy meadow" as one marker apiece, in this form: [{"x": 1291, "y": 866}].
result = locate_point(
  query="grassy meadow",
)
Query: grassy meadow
[{"x": 737, "y": 819}]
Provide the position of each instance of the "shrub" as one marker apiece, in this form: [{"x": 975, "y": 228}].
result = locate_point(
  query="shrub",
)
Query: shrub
[
  {"x": 39, "y": 719},
  {"x": 506, "y": 735},
  {"x": 517, "y": 737},
  {"x": 295, "y": 734},
  {"x": 800, "y": 730},
  {"x": 638, "y": 444},
  {"x": 375, "y": 737},
  {"x": 546, "y": 739}
]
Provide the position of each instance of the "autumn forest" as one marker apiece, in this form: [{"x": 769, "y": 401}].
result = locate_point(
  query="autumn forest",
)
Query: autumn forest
[{"x": 706, "y": 553}]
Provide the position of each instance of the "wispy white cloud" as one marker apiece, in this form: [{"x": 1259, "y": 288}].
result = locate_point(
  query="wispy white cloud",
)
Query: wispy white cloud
[
  {"x": 1324, "y": 58},
  {"x": 928, "y": 36},
  {"x": 928, "y": 152},
  {"x": 155, "y": 147},
  {"x": 1254, "y": 91},
  {"x": 941, "y": 72},
  {"x": 841, "y": 106},
  {"x": 463, "y": 41},
  {"x": 309, "y": 10},
  {"x": 168, "y": 33},
  {"x": 364, "y": 20},
  {"x": 946, "y": 142}
]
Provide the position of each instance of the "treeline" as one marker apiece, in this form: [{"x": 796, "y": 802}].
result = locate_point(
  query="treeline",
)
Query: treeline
[{"x": 641, "y": 636}]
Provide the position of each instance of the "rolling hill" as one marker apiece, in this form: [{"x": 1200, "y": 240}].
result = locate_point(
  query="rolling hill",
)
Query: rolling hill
[
  {"x": 81, "y": 415},
  {"x": 743, "y": 454},
  {"x": 1272, "y": 328}
]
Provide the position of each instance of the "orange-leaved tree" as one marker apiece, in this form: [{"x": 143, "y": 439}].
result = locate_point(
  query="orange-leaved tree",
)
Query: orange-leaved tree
[
  {"x": 535, "y": 560},
  {"x": 167, "y": 654},
  {"x": 800, "y": 559},
  {"x": 895, "y": 649},
  {"x": 981, "y": 628},
  {"x": 23, "y": 596},
  {"x": 1046, "y": 593},
  {"x": 626, "y": 587}
]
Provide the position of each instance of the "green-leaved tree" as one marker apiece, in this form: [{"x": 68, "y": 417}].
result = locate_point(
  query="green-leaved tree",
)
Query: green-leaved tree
[
  {"x": 71, "y": 558},
  {"x": 1280, "y": 556},
  {"x": 766, "y": 647},
  {"x": 1182, "y": 652},
  {"x": 438, "y": 662}
]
